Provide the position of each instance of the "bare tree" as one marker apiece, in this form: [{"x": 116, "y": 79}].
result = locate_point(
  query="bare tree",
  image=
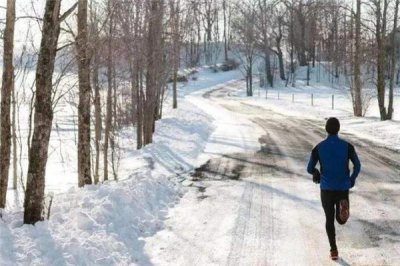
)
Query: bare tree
[
  {"x": 14, "y": 139},
  {"x": 393, "y": 55},
  {"x": 380, "y": 10},
  {"x": 84, "y": 174},
  {"x": 226, "y": 25},
  {"x": 109, "y": 104},
  {"x": 193, "y": 29},
  {"x": 95, "y": 56},
  {"x": 6, "y": 92},
  {"x": 356, "y": 65},
  {"x": 154, "y": 67},
  {"x": 176, "y": 39},
  {"x": 277, "y": 32},
  {"x": 263, "y": 26},
  {"x": 43, "y": 114},
  {"x": 209, "y": 12},
  {"x": 243, "y": 26}
]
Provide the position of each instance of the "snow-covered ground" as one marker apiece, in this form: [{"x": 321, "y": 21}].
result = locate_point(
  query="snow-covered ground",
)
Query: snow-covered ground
[
  {"x": 103, "y": 224},
  {"x": 136, "y": 221},
  {"x": 273, "y": 214},
  {"x": 61, "y": 172},
  {"x": 297, "y": 102}
]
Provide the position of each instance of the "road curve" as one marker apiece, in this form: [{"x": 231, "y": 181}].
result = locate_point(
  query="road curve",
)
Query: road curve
[{"x": 272, "y": 214}]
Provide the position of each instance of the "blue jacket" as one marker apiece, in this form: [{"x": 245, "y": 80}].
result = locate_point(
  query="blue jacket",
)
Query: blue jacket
[{"x": 333, "y": 155}]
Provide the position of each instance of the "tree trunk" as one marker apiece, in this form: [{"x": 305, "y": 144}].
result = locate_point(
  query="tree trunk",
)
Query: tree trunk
[
  {"x": 43, "y": 117},
  {"x": 268, "y": 71},
  {"x": 154, "y": 59},
  {"x": 291, "y": 33},
  {"x": 176, "y": 47},
  {"x": 301, "y": 51},
  {"x": 84, "y": 175},
  {"x": 357, "y": 64},
  {"x": 247, "y": 83},
  {"x": 393, "y": 62},
  {"x": 174, "y": 90},
  {"x": 14, "y": 140},
  {"x": 225, "y": 34},
  {"x": 380, "y": 59},
  {"x": 97, "y": 114},
  {"x": 279, "y": 53},
  {"x": 281, "y": 66},
  {"x": 250, "y": 74},
  {"x": 6, "y": 91},
  {"x": 114, "y": 126},
  {"x": 96, "y": 88},
  {"x": 109, "y": 99},
  {"x": 139, "y": 110}
]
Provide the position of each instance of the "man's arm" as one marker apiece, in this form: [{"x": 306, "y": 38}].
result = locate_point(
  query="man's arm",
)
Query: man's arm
[
  {"x": 356, "y": 163},
  {"x": 314, "y": 158}
]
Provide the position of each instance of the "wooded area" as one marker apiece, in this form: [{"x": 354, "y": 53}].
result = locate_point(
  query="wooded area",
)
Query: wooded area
[{"x": 141, "y": 46}]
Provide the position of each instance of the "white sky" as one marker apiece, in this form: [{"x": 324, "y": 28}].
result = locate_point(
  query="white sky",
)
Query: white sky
[{"x": 32, "y": 8}]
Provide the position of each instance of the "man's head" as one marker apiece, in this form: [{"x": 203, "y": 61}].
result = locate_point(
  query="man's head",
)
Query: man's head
[{"x": 332, "y": 126}]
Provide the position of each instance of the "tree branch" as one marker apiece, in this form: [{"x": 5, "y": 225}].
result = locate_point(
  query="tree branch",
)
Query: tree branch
[{"x": 67, "y": 13}]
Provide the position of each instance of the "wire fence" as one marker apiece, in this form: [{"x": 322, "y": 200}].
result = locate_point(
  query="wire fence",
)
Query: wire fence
[{"x": 312, "y": 99}]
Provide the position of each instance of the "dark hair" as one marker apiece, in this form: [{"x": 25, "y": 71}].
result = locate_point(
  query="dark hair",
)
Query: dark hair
[{"x": 332, "y": 126}]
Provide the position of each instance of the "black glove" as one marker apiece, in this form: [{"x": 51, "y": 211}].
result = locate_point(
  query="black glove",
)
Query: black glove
[
  {"x": 316, "y": 177},
  {"x": 352, "y": 183}
]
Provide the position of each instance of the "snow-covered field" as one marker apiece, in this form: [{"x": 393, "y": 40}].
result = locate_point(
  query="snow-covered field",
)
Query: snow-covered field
[
  {"x": 297, "y": 102},
  {"x": 370, "y": 127}
]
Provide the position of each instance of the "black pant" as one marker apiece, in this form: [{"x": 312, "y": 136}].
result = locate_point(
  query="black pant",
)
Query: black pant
[{"x": 330, "y": 201}]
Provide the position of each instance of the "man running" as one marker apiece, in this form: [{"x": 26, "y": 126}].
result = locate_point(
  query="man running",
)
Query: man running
[{"x": 333, "y": 155}]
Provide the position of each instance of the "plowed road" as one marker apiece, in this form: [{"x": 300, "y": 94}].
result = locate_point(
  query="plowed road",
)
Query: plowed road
[{"x": 271, "y": 215}]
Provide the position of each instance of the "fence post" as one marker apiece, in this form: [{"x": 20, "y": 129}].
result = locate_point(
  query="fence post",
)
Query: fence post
[
  {"x": 292, "y": 97},
  {"x": 312, "y": 99},
  {"x": 333, "y": 101},
  {"x": 278, "y": 95}
]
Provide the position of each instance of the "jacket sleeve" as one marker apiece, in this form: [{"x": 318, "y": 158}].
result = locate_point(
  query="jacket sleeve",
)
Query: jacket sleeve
[
  {"x": 314, "y": 158},
  {"x": 356, "y": 162}
]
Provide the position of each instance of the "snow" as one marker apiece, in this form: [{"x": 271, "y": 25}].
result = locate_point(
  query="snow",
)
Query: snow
[
  {"x": 370, "y": 127},
  {"x": 104, "y": 224},
  {"x": 274, "y": 217},
  {"x": 206, "y": 79},
  {"x": 201, "y": 237},
  {"x": 149, "y": 216}
]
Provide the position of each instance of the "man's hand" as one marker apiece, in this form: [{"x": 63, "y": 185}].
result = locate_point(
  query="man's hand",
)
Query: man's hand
[
  {"x": 316, "y": 177},
  {"x": 352, "y": 183}
]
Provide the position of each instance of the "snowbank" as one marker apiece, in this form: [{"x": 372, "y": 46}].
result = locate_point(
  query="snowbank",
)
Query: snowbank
[{"x": 103, "y": 224}]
